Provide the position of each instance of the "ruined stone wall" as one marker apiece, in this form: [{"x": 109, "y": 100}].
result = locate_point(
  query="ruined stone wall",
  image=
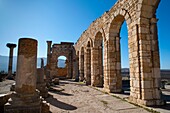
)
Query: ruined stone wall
[
  {"x": 62, "y": 72},
  {"x": 64, "y": 49},
  {"x": 140, "y": 16}
]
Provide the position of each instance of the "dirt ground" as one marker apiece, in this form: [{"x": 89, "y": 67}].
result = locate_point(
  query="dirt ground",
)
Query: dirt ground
[{"x": 72, "y": 97}]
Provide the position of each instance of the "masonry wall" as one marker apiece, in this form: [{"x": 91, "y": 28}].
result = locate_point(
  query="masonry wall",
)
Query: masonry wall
[{"x": 140, "y": 16}]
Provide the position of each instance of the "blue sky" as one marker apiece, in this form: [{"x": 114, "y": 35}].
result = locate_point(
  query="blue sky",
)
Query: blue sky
[{"x": 65, "y": 20}]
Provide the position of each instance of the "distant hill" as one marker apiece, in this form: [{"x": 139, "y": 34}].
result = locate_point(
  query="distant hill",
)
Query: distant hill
[{"x": 4, "y": 63}]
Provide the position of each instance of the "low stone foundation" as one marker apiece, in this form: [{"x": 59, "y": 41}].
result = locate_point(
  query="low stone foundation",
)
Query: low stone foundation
[
  {"x": 27, "y": 103},
  {"x": 146, "y": 102}
]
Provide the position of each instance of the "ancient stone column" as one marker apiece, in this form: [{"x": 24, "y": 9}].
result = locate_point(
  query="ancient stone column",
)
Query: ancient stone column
[
  {"x": 48, "y": 52},
  {"x": 11, "y": 47},
  {"x": 25, "y": 99},
  {"x": 47, "y": 70}
]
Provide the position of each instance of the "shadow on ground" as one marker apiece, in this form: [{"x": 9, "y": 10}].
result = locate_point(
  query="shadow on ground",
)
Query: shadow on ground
[
  {"x": 59, "y": 104},
  {"x": 62, "y": 83},
  {"x": 59, "y": 92}
]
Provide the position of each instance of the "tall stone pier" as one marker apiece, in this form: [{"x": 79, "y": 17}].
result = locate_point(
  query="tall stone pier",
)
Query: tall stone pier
[
  {"x": 48, "y": 52},
  {"x": 25, "y": 99},
  {"x": 11, "y": 47}
]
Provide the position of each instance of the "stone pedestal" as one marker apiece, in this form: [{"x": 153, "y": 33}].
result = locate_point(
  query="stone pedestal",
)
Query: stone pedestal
[
  {"x": 41, "y": 85},
  {"x": 26, "y": 98}
]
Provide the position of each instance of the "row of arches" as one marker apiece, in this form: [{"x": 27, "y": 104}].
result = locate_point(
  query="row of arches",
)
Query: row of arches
[{"x": 99, "y": 52}]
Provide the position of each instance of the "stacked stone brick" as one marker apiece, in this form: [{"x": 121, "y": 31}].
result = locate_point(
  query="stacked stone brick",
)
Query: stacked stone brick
[
  {"x": 64, "y": 49},
  {"x": 140, "y": 16}
]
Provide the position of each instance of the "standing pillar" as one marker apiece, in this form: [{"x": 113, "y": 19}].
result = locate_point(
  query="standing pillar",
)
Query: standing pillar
[
  {"x": 25, "y": 99},
  {"x": 81, "y": 65},
  {"x": 48, "y": 52},
  {"x": 48, "y": 67},
  {"x": 145, "y": 85},
  {"x": 11, "y": 47},
  {"x": 112, "y": 75},
  {"x": 41, "y": 85},
  {"x": 42, "y": 63},
  {"x": 67, "y": 65}
]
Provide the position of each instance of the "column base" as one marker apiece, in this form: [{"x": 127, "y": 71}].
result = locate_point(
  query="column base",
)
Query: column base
[
  {"x": 110, "y": 89},
  {"x": 25, "y": 104},
  {"x": 9, "y": 108},
  {"x": 153, "y": 102},
  {"x": 97, "y": 81}
]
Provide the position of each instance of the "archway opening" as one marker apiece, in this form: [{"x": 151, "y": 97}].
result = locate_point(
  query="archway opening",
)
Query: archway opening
[
  {"x": 62, "y": 67},
  {"x": 88, "y": 64},
  {"x": 61, "y": 62},
  {"x": 113, "y": 57},
  {"x": 98, "y": 79},
  {"x": 124, "y": 58}
]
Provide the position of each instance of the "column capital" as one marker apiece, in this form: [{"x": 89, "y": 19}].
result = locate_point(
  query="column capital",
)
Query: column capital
[
  {"x": 11, "y": 45},
  {"x": 49, "y": 42}
]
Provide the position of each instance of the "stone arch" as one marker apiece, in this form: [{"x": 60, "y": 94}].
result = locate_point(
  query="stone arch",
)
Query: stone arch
[
  {"x": 63, "y": 49},
  {"x": 112, "y": 77},
  {"x": 143, "y": 48},
  {"x": 98, "y": 39},
  {"x": 146, "y": 81},
  {"x": 116, "y": 22},
  {"x": 89, "y": 42}
]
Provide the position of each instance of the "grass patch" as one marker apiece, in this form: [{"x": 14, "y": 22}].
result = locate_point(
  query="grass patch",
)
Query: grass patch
[{"x": 81, "y": 82}]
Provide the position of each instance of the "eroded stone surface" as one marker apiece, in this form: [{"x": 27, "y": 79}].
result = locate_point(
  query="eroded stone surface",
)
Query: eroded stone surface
[{"x": 25, "y": 99}]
